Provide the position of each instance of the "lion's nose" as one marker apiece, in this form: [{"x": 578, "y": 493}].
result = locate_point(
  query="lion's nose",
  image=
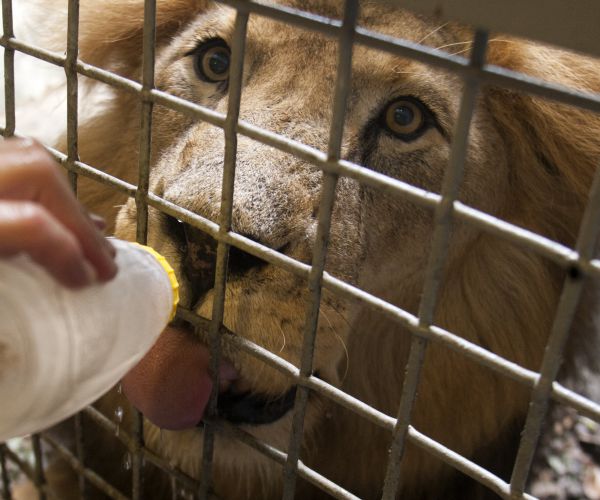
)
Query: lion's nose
[{"x": 200, "y": 261}]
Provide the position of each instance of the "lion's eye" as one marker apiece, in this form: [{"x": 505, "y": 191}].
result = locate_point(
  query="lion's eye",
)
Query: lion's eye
[
  {"x": 212, "y": 60},
  {"x": 407, "y": 118}
]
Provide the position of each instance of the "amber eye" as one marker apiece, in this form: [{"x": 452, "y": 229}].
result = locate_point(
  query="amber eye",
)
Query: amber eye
[
  {"x": 406, "y": 118},
  {"x": 212, "y": 60}
]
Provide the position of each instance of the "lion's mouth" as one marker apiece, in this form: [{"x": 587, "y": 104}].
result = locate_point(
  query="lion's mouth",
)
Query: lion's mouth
[
  {"x": 171, "y": 386},
  {"x": 249, "y": 408}
]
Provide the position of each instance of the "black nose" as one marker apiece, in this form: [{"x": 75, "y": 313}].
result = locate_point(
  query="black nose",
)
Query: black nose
[
  {"x": 199, "y": 261},
  {"x": 200, "y": 255}
]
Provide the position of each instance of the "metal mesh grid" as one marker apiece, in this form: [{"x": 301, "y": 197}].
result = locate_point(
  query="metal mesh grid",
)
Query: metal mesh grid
[{"x": 579, "y": 261}]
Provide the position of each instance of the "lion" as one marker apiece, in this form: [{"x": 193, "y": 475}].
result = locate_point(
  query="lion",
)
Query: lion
[{"x": 529, "y": 162}]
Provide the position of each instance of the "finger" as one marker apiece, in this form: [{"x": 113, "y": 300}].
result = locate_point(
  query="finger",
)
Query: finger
[
  {"x": 27, "y": 227},
  {"x": 27, "y": 172}
]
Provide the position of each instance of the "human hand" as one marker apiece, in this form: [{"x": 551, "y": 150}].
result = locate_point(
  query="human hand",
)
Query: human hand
[{"x": 40, "y": 216}]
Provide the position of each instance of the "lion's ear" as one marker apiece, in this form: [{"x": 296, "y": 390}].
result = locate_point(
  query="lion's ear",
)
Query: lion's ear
[
  {"x": 111, "y": 31},
  {"x": 563, "y": 140}
]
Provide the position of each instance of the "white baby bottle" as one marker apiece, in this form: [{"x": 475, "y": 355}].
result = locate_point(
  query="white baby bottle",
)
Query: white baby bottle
[{"x": 61, "y": 349}]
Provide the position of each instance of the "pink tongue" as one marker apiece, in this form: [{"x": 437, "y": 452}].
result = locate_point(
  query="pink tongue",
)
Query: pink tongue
[{"x": 171, "y": 384}]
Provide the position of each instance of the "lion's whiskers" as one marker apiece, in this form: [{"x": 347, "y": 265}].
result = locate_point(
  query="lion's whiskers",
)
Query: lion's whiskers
[
  {"x": 433, "y": 32},
  {"x": 340, "y": 339},
  {"x": 453, "y": 45},
  {"x": 493, "y": 40},
  {"x": 283, "y": 337}
]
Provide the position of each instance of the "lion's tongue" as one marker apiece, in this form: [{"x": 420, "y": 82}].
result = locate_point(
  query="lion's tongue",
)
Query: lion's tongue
[{"x": 171, "y": 384}]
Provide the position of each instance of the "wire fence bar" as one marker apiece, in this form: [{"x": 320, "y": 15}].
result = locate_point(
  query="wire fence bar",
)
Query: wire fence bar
[
  {"x": 584, "y": 406},
  {"x": 281, "y": 458},
  {"x": 72, "y": 78},
  {"x": 40, "y": 478},
  {"x": 572, "y": 289},
  {"x": 4, "y": 474},
  {"x": 236, "y": 74},
  {"x": 80, "y": 451},
  {"x": 464, "y": 465},
  {"x": 435, "y": 266},
  {"x": 141, "y": 202},
  {"x": 147, "y": 107},
  {"x": 342, "y": 91},
  {"x": 89, "y": 474},
  {"x": 9, "y": 69},
  {"x": 71, "y": 58}
]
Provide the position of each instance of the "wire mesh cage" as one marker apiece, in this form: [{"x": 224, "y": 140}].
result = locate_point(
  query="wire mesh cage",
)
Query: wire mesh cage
[{"x": 474, "y": 73}]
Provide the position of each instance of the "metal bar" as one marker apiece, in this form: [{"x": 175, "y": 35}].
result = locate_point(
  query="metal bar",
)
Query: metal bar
[
  {"x": 89, "y": 474},
  {"x": 174, "y": 495},
  {"x": 572, "y": 289},
  {"x": 147, "y": 107},
  {"x": 342, "y": 90},
  {"x": 80, "y": 451},
  {"x": 280, "y": 457},
  {"x": 141, "y": 202},
  {"x": 5, "y": 479},
  {"x": 40, "y": 479},
  {"x": 137, "y": 445},
  {"x": 9, "y": 69},
  {"x": 236, "y": 74},
  {"x": 584, "y": 406},
  {"x": 72, "y": 88},
  {"x": 435, "y": 266}
]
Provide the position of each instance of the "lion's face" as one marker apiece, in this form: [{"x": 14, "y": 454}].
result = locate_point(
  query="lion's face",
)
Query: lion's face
[{"x": 400, "y": 120}]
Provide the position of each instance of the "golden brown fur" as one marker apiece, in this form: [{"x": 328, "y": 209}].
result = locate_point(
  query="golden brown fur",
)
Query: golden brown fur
[{"x": 530, "y": 162}]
